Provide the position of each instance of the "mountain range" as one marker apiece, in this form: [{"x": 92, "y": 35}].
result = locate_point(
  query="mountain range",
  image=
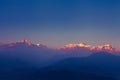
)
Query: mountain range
[{"x": 27, "y": 61}]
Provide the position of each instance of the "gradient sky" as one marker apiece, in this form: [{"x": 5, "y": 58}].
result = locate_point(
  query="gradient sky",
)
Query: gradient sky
[{"x": 59, "y": 22}]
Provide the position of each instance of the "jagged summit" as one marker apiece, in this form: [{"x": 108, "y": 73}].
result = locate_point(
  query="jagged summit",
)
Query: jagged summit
[
  {"x": 76, "y": 45},
  {"x": 106, "y": 47},
  {"x": 26, "y": 41}
]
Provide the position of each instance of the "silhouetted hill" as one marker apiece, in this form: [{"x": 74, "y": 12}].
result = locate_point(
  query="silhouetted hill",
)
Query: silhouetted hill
[
  {"x": 98, "y": 66},
  {"x": 23, "y": 61}
]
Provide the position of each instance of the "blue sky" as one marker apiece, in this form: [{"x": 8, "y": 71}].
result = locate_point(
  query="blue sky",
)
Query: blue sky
[{"x": 58, "y": 22}]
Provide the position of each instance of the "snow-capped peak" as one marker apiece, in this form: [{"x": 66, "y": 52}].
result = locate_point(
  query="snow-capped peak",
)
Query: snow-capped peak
[{"x": 106, "y": 47}]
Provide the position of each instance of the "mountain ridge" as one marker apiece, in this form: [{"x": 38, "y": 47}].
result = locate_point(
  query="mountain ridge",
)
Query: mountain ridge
[{"x": 69, "y": 47}]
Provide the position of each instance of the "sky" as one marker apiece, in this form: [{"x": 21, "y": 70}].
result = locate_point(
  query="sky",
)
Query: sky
[{"x": 59, "y": 22}]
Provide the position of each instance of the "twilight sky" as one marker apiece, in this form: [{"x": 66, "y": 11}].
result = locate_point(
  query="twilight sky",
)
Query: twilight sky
[{"x": 59, "y": 22}]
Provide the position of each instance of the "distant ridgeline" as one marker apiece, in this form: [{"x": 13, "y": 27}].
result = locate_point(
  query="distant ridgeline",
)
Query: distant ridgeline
[
  {"x": 26, "y": 61},
  {"x": 79, "y": 47}
]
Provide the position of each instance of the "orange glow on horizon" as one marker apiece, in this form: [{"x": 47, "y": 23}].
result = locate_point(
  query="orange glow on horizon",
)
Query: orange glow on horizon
[{"x": 72, "y": 46}]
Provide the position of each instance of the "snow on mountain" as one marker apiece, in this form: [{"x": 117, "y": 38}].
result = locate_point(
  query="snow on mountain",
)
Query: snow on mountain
[{"x": 105, "y": 48}]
